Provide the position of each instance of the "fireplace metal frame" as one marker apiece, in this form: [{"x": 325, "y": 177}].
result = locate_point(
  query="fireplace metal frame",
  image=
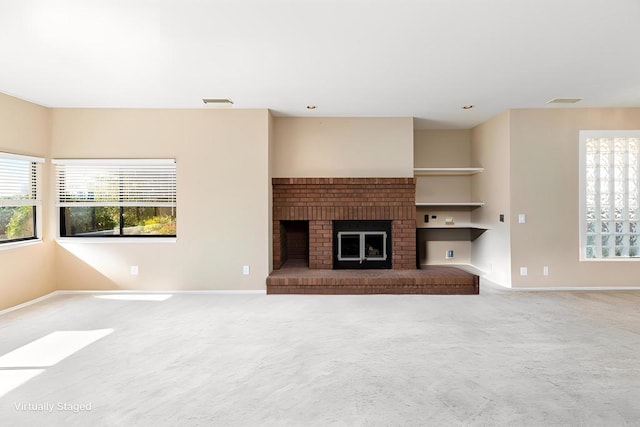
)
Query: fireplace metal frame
[
  {"x": 361, "y": 230},
  {"x": 362, "y": 246}
]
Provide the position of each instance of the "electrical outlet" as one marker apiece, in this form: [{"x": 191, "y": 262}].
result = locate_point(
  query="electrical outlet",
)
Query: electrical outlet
[
  {"x": 522, "y": 218},
  {"x": 449, "y": 254},
  {"x": 134, "y": 270},
  {"x": 545, "y": 271},
  {"x": 523, "y": 271},
  {"x": 245, "y": 270}
]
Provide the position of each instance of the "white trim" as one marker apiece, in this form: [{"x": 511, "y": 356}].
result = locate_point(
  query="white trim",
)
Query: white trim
[
  {"x": 20, "y": 202},
  {"x": 116, "y": 239},
  {"x": 455, "y": 226},
  {"x": 28, "y": 303},
  {"x": 495, "y": 285},
  {"x": 130, "y": 291},
  {"x": 13, "y": 245},
  {"x": 129, "y": 161},
  {"x": 90, "y": 204},
  {"x": 577, "y": 288},
  {"x": 168, "y": 291},
  {"x": 582, "y": 199},
  {"x": 470, "y": 204},
  {"x": 446, "y": 171},
  {"x": 5, "y": 155}
]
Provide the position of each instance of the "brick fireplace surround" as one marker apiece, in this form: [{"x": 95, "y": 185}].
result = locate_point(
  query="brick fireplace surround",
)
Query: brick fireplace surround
[
  {"x": 320, "y": 201},
  {"x": 303, "y": 213}
]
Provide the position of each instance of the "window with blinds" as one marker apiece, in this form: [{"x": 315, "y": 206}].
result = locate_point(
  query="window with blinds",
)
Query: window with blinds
[
  {"x": 19, "y": 197},
  {"x": 609, "y": 194},
  {"x": 117, "y": 197}
]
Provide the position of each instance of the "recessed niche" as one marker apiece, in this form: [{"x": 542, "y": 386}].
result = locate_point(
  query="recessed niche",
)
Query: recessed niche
[{"x": 294, "y": 240}]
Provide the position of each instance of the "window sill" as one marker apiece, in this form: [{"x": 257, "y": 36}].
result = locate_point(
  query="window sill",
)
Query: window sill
[
  {"x": 627, "y": 259},
  {"x": 118, "y": 240},
  {"x": 13, "y": 245}
]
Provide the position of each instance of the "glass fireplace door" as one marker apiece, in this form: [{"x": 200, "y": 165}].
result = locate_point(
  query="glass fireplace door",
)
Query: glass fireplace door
[{"x": 362, "y": 246}]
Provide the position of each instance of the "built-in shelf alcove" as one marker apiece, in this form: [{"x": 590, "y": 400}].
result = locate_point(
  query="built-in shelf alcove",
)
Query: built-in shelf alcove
[{"x": 294, "y": 242}]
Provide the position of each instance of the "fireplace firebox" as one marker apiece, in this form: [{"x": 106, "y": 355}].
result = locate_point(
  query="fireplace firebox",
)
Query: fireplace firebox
[
  {"x": 362, "y": 244},
  {"x": 324, "y": 203}
]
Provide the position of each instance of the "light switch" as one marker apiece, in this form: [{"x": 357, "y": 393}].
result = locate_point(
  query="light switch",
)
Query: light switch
[{"x": 522, "y": 218}]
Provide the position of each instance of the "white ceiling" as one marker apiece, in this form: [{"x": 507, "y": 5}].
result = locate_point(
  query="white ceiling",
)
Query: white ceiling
[{"x": 420, "y": 58}]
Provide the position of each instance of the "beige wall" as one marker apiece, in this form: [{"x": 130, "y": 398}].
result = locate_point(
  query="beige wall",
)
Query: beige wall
[
  {"x": 544, "y": 186},
  {"x": 434, "y": 244},
  {"x": 491, "y": 252},
  {"x": 26, "y": 270},
  {"x": 442, "y": 149},
  {"x": 270, "y": 191},
  {"x": 223, "y": 198},
  {"x": 343, "y": 147},
  {"x": 226, "y": 159}
]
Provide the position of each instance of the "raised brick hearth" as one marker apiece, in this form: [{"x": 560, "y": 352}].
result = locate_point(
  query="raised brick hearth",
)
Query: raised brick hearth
[
  {"x": 320, "y": 201},
  {"x": 429, "y": 280}
]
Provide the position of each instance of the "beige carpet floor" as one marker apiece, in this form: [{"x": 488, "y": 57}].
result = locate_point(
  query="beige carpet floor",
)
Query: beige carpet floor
[{"x": 502, "y": 358}]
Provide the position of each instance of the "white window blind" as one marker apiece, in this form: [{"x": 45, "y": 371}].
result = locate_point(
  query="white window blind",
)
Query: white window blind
[
  {"x": 116, "y": 182},
  {"x": 610, "y": 194},
  {"x": 19, "y": 180}
]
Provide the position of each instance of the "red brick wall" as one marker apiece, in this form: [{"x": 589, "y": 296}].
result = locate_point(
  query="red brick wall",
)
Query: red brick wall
[{"x": 322, "y": 200}]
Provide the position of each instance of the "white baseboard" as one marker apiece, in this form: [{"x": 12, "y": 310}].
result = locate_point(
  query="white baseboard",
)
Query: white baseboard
[
  {"x": 129, "y": 291},
  {"x": 575, "y": 288},
  {"x": 488, "y": 281},
  {"x": 28, "y": 303},
  {"x": 182, "y": 291}
]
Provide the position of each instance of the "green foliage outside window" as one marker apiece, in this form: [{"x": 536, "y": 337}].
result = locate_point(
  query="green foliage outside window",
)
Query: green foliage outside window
[
  {"x": 16, "y": 222},
  {"x": 106, "y": 221}
]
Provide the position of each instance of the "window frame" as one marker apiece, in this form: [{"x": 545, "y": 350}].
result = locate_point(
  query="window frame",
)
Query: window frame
[
  {"x": 584, "y": 135},
  {"x": 33, "y": 199},
  {"x": 62, "y": 234}
]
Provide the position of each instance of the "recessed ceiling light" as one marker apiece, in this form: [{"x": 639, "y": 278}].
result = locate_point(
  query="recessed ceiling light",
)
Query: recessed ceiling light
[
  {"x": 311, "y": 107},
  {"x": 564, "y": 100},
  {"x": 467, "y": 107},
  {"x": 217, "y": 101}
]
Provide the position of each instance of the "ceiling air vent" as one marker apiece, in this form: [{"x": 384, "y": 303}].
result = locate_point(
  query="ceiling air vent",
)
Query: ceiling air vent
[
  {"x": 222, "y": 102},
  {"x": 564, "y": 100}
]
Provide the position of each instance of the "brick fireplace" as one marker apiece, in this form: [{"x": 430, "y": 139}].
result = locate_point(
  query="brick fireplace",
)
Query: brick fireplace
[{"x": 306, "y": 211}]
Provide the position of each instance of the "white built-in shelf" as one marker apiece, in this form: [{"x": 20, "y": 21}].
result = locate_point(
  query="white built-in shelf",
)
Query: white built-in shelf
[
  {"x": 457, "y": 226},
  {"x": 451, "y": 204},
  {"x": 469, "y": 268},
  {"x": 446, "y": 171}
]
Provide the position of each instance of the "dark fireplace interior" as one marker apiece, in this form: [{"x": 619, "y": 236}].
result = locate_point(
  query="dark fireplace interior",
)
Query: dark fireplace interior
[
  {"x": 362, "y": 244},
  {"x": 294, "y": 238}
]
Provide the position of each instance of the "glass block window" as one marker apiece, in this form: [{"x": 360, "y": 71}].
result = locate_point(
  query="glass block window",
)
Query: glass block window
[{"x": 609, "y": 194}]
